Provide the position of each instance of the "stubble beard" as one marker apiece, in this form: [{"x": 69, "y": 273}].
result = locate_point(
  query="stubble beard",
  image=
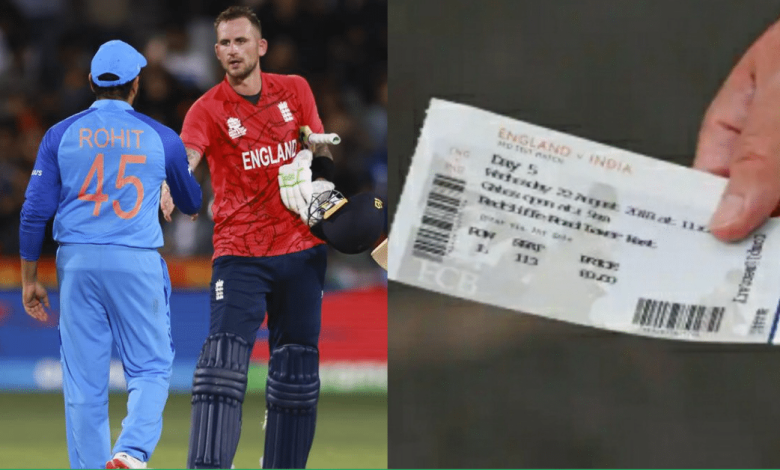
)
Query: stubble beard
[{"x": 242, "y": 74}]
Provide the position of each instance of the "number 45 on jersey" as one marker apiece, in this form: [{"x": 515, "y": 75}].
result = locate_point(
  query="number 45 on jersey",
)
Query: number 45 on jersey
[{"x": 99, "y": 197}]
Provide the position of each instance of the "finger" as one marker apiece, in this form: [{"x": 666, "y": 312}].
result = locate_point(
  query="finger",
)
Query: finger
[
  {"x": 46, "y": 300},
  {"x": 40, "y": 313},
  {"x": 753, "y": 190},
  {"x": 300, "y": 203},
  {"x": 194, "y": 217},
  {"x": 285, "y": 198},
  {"x": 305, "y": 192},
  {"x": 304, "y": 186},
  {"x": 33, "y": 310},
  {"x": 168, "y": 209},
  {"x": 283, "y": 191},
  {"x": 289, "y": 194},
  {"x": 725, "y": 120}
]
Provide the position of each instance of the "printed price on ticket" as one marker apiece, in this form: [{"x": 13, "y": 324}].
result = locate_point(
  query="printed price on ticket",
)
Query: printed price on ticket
[{"x": 518, "y": 216}]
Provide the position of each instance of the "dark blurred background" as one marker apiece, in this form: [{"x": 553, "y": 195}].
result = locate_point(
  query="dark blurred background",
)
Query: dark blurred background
[{"x": 475, "y": 386}]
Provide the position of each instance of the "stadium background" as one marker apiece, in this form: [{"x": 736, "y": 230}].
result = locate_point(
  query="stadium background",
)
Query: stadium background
[
  {"x": 340, "y": 46},
  {"x": 480, "y": 387}
]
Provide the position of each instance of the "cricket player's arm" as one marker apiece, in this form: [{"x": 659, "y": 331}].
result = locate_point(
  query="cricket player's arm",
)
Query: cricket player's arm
[
  {"x": 34, "y": 295},
  {"x": 40, "y": 205},
  {"x": 184, "y": 188},
  {"x": 195, "y": 133},
  {"x": 166, "y": 201},
  {"x": 321, "y": 150},
  {"x": 193, "y": 158},
  {"x": 321, "y": 168}
]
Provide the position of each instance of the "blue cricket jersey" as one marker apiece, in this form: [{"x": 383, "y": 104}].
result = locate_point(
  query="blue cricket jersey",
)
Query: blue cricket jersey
[{"x": 100, "y": 172}]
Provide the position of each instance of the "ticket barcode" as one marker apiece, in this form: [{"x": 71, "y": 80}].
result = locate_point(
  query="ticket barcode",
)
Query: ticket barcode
[
  {"x": 670, "y": 316},
  {"x": 439, "y": 217},
  {"x": 758, "y": 327}
]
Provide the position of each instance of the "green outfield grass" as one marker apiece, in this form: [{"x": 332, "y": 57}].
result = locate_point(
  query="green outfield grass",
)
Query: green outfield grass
[{"x": 351, "y": 431}]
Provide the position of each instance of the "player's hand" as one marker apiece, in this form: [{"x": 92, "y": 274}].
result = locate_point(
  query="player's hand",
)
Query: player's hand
[
  {"x": 295, "y": 184},
  {"x": 34, "y": 298},
  {"x": 740, "y": 139},
  {"x": 166, "y": 202}
]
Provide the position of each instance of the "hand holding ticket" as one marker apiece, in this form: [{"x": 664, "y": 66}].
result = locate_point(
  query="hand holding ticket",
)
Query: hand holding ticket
[
  {"x": 739, "y": 137},
  {"x": 522, "y": 217}
]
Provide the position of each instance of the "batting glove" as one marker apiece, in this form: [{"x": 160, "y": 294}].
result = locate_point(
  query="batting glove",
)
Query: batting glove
[{"x": 295, "y": 183}]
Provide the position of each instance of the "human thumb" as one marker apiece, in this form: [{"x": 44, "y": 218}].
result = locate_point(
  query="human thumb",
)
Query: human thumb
[
  {"x": 753, "y": 190},
  {"x": 751, "y": 195}
]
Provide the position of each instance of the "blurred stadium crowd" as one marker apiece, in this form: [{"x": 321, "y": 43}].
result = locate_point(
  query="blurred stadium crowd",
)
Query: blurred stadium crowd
[{"x": 339, "y": 46}]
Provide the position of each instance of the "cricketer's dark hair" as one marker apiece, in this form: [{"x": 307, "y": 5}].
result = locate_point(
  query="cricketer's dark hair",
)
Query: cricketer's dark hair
[
  {"x": 118, "y": 92},
  {"x": 236, "y": 12}
]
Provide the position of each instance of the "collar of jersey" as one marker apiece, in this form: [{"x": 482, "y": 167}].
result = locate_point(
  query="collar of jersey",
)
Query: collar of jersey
[
  {"x": 235, "y": 97},
  {"x": 100, "y": 104}
]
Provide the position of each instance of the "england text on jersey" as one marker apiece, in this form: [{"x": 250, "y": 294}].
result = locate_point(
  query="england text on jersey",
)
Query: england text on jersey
[{"x": 265, "y": 156}]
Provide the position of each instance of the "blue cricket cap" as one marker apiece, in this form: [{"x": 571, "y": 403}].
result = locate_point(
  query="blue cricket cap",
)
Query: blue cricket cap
[{"x": 118, "y": 58}]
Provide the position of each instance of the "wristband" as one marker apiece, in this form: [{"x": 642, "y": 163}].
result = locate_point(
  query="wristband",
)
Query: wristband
[{"x": 322, "y": 167}]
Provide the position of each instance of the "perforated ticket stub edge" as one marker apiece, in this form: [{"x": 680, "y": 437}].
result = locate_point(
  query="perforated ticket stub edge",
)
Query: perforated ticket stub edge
[{"x": 557, "y": 226}]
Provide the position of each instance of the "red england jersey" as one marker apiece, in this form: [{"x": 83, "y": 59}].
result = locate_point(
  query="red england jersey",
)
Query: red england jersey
[{"x": 245, "y": 144}]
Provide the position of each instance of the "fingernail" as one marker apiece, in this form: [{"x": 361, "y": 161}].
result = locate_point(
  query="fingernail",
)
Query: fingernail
[{"x": 729, "y": 210}]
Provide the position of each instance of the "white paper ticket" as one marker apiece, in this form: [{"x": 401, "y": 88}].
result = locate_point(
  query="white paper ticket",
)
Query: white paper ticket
[{"x": 518, "y": 216}]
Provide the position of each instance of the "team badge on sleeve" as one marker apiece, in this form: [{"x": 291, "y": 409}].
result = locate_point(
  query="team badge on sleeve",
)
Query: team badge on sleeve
[{"x": 235, "y": 128}]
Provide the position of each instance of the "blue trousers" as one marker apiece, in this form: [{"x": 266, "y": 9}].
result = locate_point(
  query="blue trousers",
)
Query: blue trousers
[
  {"x": 289, "y": 287},
  {"x": 113, "y": 294}
]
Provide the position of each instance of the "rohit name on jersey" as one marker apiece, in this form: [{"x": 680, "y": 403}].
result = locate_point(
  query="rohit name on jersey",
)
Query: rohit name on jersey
[{"x": 265, "y": 156}]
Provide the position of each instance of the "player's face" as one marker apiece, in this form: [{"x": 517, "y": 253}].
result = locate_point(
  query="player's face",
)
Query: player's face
[{"x": 239, "y": 47}]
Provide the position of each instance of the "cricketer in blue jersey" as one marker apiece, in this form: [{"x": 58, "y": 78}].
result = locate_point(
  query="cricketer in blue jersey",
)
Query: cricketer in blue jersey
[{"x": 99, "y": 173}]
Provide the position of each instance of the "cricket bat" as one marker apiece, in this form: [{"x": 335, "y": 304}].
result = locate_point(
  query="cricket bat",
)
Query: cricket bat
[
  {"x": 380, "y": 254},
  {"x": 308, "y": 137}
]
